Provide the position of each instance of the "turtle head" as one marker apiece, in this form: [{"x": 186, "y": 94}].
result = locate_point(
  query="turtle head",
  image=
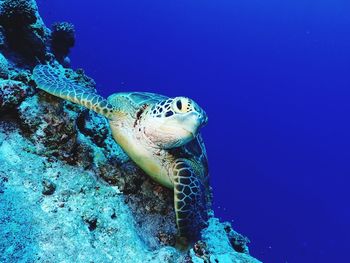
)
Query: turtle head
[{"x": 174, "y": 122}]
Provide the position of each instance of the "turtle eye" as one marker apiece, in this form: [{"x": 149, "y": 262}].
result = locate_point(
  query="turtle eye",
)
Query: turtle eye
[{"x": 181, "y": 105}]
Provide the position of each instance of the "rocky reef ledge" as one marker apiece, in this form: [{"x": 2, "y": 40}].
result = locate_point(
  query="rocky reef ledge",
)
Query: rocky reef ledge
[{"x": 68, "y": 193}]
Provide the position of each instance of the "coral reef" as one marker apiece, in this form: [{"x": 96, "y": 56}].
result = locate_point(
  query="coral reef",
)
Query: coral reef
[
  {"x": 24, "y": 30},
  {"x": 68, "y": 193},
  {"x": 62, "y": 39},
  {"x": 4, "y": 67},
  {"x": 59, "y": 212},
  {"x": 12, "y": 93},
  {"x": 20, "y": 12},
  {"x": 83, "y": 220}
]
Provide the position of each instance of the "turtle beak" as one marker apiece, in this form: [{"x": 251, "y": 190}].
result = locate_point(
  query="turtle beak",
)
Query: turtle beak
[{"x": 194, "y": 121}]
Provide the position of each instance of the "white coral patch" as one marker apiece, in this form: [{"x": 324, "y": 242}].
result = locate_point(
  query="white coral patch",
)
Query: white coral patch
[{"x": 8, "y": 154}]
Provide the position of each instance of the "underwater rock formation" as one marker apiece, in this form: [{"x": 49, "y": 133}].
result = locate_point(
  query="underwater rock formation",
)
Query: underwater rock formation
[
  {"x": 62, "y": 40},
  {"x": 68, "y": 193},
  {"x": 12, "y": 93},
  {"x": 24, "y": 30},
  {"x": 4, "y": 67}
]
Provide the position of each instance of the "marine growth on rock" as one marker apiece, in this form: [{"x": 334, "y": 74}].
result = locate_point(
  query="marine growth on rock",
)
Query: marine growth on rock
[
  {"x": 24, "y": 31},
  {"x": 62, "y": 39}
]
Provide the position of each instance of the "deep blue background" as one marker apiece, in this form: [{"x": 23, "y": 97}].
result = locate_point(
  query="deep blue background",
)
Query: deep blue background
[{"x": 274, "y": 79}]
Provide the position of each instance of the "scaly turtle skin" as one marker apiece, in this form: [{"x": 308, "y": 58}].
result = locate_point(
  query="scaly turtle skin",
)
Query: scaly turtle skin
[{"x": 160, "y": 134}]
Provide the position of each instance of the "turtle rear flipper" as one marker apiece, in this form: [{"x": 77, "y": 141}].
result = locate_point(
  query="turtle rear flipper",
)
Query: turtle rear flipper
[
  {"x": 54, "y": 81},
  {"x": 190, "y": 200}
]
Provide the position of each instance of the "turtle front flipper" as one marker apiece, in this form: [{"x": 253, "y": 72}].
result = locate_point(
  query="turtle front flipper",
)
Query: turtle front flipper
[
  {"x": 54, "y": 81},
  {"x": 190, "y": 199}
]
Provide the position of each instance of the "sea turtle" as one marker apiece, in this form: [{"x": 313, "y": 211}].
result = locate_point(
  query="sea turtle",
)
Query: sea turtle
[{"x": 160, "y": 134}]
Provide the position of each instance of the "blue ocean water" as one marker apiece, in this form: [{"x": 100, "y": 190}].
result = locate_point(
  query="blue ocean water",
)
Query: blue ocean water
[{"x": 274, "y": 78}]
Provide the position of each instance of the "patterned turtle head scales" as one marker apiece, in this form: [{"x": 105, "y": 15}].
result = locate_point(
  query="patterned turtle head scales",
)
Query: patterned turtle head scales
[{"x": 173, "y": 122}]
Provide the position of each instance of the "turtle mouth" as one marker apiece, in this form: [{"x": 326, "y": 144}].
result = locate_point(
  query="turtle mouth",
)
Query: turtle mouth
[{"x": 191, "y": 134}]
